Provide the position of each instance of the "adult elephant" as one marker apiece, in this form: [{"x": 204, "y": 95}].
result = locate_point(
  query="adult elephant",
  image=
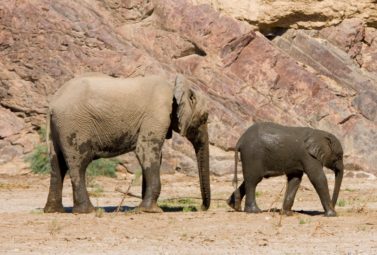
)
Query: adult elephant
[
  {"x": 97, "y": 116},
  {"x": 269, "y": 149}
]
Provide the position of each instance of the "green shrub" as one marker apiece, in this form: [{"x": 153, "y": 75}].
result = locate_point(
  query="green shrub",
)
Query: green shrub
[
  {"x": 341, "y": 203},
  {"x": 39, "y": 160},
  {"x": 103, "y": 167},
  {"x": 178, "y": 204},
  {"x": 304, "y": 221},
  {"x": 94, "y": 189},
  {"x": 100, "y": 212}
]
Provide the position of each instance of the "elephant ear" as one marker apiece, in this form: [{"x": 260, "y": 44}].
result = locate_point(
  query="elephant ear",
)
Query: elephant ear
[
  {"x": 318, "y": 147},
  {"x": 183, "y": 107}
]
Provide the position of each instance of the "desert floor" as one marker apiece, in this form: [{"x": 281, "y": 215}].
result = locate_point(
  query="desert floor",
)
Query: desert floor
[{"x": 25, "y": 229}]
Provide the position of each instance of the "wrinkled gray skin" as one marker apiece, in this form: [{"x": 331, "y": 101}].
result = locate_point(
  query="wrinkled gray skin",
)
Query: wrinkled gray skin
[
  {"x": 97, "y": 116},
  {"x": 269, "y": 149}
]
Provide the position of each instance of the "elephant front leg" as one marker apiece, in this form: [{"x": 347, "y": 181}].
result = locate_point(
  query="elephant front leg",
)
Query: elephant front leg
[
  {"x": 81, "y": 201},
  {"x": 290, "y": 193},
  {"x": 235, "y": 199},
  {"x": 318, "y": 179},
  {"x": 149, "y": 156}
]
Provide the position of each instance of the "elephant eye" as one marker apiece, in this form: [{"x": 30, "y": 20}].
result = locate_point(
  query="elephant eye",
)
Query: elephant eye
[
  {"x": 204, "y": 118},
  {"x": 192, "y": 98}
]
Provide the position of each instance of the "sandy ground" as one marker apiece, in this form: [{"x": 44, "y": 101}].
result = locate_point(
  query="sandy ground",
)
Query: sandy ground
[{"x": 25, "y": 229}]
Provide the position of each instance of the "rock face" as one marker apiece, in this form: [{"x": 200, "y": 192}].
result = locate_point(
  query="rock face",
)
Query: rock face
[
  {"x": 298, "y": 14},
  {"x": 324, "y": 78}
]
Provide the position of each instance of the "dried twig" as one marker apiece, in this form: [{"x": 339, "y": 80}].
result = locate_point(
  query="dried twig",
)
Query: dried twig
[
  {"x": 276, "y": 199},
  {"x": 196, "y": 198},
  {"x": 125, "y": 193},
  {"x": 319, "y": 227}
]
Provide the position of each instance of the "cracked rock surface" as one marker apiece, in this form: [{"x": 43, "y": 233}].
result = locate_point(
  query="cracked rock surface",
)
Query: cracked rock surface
[{"x": 323, "y": 76}]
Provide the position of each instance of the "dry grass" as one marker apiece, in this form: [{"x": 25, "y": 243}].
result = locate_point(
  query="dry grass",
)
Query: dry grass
[
  {"x": 11, "y": 186},
  {"x": 54, "y": 227}
]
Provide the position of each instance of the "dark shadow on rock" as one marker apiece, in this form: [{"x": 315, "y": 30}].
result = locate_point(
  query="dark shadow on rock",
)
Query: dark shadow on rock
[{"x": 272, "y": 32}]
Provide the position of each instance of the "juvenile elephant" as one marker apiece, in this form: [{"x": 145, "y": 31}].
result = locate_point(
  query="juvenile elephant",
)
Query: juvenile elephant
[
  {"x": 269, "y": 149},
  {"x": 97, "y": 116}
]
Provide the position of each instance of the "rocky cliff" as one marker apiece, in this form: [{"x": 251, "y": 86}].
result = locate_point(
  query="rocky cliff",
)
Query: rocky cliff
[{"x": 275, "y": 61}]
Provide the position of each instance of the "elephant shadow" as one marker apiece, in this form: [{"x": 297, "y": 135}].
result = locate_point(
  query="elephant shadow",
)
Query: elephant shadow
[
  {"x": 107, "y": 209},
  {"x": 310, "y": 213},
  {"x": 307, "y": 212},
  {"x": 128, "y": 209},
  {"x": 167, "y": 208}
]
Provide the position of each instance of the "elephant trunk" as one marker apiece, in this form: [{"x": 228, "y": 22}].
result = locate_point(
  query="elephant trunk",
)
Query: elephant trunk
[
  {"x": 201, "y": 146},
  {"x": 338, "y": 181}
]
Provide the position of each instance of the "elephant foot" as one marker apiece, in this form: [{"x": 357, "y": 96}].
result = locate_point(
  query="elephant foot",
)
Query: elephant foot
[
  {"x": 53, "y": 208},
  {"x": 252, "y": 209},
  {"x": 152, "y": 209},
  {"x": 204, "y": 207},
  {"x": 236, "y": 205},
  {"x": 330, "y": 213},
  {"x": 83, "y": 208},
  {"x": 286, "y": 212}
]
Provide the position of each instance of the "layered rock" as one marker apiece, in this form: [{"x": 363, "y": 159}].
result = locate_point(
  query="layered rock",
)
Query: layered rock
[
  {"x": 299, "y": 14},
  {"x": 321, "y": 78}
]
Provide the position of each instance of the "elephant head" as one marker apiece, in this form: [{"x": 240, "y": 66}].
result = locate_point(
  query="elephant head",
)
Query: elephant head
[
  {"x": 189, "y": 118},
  {"x": 326, "y": 148}
]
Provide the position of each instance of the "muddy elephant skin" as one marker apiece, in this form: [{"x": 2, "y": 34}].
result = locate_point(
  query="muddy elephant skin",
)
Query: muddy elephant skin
[
  {"x": 269, "y": 149},
  {"x": 97, "y": 116}
]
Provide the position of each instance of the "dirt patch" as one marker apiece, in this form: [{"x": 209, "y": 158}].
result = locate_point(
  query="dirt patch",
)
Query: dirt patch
[{"x": 24, "y": 229}]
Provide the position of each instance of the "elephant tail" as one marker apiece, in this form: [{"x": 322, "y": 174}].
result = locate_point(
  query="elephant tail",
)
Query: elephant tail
[
  {"x": 237, "y": 195},
  {"x": 235, "y": 178},
  {"x": 48, "y": 132}
]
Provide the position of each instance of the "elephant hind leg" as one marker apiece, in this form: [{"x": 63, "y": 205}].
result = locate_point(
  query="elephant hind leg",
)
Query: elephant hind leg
[
  {"x": 77, "y": 168},
  {"x": 234, "y": 201},
  {"x": 58, "y": 171},
  {"x": 250, "y": 201},
  {"x": 290, "y": 193},
  {"x": 253, "y": 171}
]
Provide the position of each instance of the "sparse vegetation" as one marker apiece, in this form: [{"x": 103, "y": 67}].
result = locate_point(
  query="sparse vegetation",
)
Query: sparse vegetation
[
  {"x": 54, "y": 227},
  {"x": 38, "y": 159},
  {"x": 103, "y": 167},
  {"x": 40, "y": 162},
  {"x": 341, "y": 203},
  {"x": 100, "y": 212},
  {"x": 96, "y": 190},
  {"x": 36, "y": 211},
  {"x": 180, "y": 204},
  {"x": 137, "y": 177},
  {"x": 304, "y": 221},
  {"x": 14, "y": 186}
]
